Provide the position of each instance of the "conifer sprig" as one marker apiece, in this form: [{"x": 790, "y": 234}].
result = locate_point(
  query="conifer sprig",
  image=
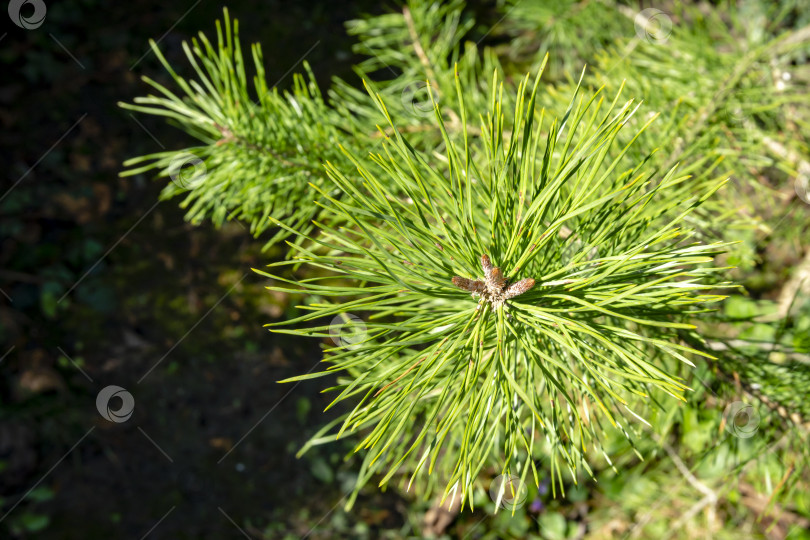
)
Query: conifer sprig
[
  {"x": 442, "y": 389},
  {"x": 261, "y": 147}
]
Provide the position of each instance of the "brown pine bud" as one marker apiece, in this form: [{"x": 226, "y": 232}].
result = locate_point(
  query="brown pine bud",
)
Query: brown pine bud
[
  {"x": 486, "y": 264},
  {"x": 518, "y": 288},
  {"x": 468, "y": 284}
]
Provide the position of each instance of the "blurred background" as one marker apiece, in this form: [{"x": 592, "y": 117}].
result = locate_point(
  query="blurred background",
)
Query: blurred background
[{"x": 103, "y": 285}]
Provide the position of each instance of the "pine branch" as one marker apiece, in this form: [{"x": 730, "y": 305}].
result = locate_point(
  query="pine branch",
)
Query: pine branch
[
  {"x": 439, "y": 376},
  {"x": 261, "y": 148}
]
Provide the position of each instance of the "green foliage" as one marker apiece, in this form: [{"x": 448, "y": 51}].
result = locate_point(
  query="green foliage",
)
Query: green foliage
[
  {"x": 425, "y": 42},
  {"x": 261, "y": 147},
  {"x": 723, "y": 85},
  {"x": 568, "y": 30},
  {"x": 442, "y": 381},
  {"x": 606, "y": 204}
]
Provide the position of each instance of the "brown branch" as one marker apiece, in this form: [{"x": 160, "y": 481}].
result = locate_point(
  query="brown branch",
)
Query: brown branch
[
  {"x": 381, "y": 390},
  {"x": 417, "y": 45},
  {"x": 776, "y": 490}
]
